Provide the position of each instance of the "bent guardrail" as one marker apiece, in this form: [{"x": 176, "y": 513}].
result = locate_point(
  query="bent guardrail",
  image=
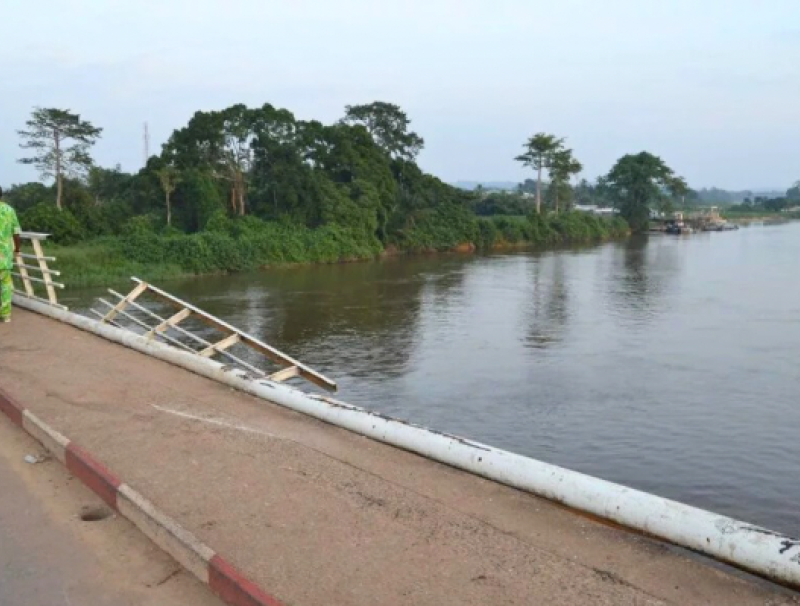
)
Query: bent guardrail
[{"x": 289, "y": 368}]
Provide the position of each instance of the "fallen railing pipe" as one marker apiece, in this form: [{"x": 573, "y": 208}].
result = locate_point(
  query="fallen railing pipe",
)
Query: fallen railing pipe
[{"x": 764, "y": 552}]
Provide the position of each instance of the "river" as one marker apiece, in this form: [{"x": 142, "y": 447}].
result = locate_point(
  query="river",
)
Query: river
[{"x": 671, "y": 364}]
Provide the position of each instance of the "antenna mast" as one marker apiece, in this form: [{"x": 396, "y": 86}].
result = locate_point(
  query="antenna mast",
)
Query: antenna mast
[{"x": 146, "y": 143}]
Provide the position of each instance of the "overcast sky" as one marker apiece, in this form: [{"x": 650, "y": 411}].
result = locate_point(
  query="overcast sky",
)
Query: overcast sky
[{"x": 712, "y": 86}]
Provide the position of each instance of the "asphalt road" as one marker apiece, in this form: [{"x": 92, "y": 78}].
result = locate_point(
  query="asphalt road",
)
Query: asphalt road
[{"x": 49, "y": 556}]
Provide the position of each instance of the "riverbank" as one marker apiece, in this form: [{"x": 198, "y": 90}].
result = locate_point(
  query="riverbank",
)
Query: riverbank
[
  {"x": 760, "y": 217},
  {"x": 232, "y": 246}
]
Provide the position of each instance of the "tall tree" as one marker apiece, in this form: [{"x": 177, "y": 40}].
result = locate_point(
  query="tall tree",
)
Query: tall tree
[
  {"x": 169, "y": 177},
  {"x": 231, "y": 144},
  {"x": 388, "y": 125},
  {"x": 60, "y": 142},
  {"x": 562, "y": 167},
  {"x": 237, "y": 153},
  {"x": 638, "y": 182},
  {"x": 539, "y": 151}
]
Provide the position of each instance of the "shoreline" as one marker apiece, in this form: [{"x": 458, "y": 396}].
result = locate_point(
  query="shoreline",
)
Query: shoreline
[{"x": 110, "y": 269}]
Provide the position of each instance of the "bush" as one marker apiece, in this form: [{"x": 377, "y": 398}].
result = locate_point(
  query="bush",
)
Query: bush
[
  {"x": 441, "y": 228},
  {"x": 256, "y": 244},
  {"x": 137, "y": 226},
  {"x": 237, "y": 244},
  {"x": 488, "y": 234},
  {"x": 62, "y": 225}
]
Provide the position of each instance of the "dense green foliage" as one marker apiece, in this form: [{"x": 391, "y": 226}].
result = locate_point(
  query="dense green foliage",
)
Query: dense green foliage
[
  {"x": 765, "y": 205},
  {"x": 639, "y": 183},
  {"x": 238, "y": 244},
  {"x": 501, "y": 203},
  {"x": 244, "y": 188}
]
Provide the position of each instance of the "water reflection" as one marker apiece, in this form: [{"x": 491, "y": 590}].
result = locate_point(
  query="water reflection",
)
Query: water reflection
[
  {"x": 641, "y": 279},
  {"x": 362, "y": 317},
  {"x": 547, "y": 294}
]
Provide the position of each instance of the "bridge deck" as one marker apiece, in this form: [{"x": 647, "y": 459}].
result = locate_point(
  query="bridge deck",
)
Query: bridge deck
[{"x": 318, "y": 515}]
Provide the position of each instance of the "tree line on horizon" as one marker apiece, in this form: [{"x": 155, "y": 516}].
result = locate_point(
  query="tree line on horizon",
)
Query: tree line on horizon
[{"x": 359, "y": 174}]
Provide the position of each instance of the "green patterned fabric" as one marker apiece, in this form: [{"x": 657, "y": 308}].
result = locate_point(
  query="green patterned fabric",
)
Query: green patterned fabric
[
  {"x": 6, "y": 294},
  {"x": 9, "y": 225}
]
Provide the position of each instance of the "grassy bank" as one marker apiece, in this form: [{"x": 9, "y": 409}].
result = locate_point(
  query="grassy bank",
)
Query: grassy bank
[
  {"x": 758, "y": 215},
  {"x": 240, "y": 245}
]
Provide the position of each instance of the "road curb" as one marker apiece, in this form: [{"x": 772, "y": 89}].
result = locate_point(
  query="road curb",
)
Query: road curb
[{"x": 224, "y": 580}]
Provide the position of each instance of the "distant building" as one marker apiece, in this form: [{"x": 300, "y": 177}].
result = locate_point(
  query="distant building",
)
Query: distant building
[{"x": 603, "y": 211}]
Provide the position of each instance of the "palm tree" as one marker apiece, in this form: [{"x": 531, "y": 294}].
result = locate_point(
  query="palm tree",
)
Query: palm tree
[{"x": 539, "y": 152}]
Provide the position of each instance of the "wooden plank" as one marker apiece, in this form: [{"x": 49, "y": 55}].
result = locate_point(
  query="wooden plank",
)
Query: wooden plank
[
  {"x": 48, "y": 283},
  {"x": 220, "y": 346},
  {"x": 270, "y": 352},
  {"x": 285, "y": 374},
  {"x": 129, "y": 298},
  {"x": 29, "y": 235},
  {"x": 23, "y": 272},
  {"x": 173, "y": 320}
]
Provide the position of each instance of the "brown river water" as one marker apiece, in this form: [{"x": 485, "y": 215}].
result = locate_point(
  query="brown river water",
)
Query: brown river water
[{"x": 671, "y": 364}]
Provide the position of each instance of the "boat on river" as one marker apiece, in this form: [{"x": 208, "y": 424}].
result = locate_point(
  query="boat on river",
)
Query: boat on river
[
  {"x": 678, "y": 229},
  {"x": 720, "y": 226}
]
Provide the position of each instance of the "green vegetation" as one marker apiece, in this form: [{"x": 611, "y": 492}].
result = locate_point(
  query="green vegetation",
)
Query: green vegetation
[
  {"x": 244, "y": 188},
  {"x": 102, "y": 262},
  {"x": 788, "y": 205},
  {"x": 239, "y": 244},
  {"x": 639, "y": 183},
  {"x": 538, "y": 155},
  {"x": 549, "y": 230}
]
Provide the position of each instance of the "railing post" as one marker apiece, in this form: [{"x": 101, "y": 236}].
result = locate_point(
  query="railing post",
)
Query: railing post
[
  {"x": 23, "y": 274},
  {"x": 24, "y": 271},
  {"x": 48, "y": 283}
]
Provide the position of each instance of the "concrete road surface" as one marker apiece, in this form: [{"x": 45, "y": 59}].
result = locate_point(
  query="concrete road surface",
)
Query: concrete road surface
[{"x": 49, "y": 556}]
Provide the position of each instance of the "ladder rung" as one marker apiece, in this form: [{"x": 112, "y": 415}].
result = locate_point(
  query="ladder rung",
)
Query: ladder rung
[{"x": 285, "y": 374}]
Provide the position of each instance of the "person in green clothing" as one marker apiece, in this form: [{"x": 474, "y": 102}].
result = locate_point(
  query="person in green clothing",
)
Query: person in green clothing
[{"x": 9, "y": 247}]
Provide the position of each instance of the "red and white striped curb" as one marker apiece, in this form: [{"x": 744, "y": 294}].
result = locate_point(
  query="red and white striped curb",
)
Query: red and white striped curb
[{"x": 212, "y": 569}]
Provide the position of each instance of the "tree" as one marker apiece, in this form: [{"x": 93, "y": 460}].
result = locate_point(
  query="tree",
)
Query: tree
[
  {"x": 108, "y": 184},
  {"x": 775, "y": 204},
  {"x": 793, "y": 193},
  {"x": 388, "y": 125},
  {"x": 27, "y": 195},
  {"x": 169, "y": 177},
  {"x": 679, "y": 189},
  {"x": 60, "y": 143},
  {"x": 528, "y": 186},
  {"x": 229, "y": 144},
  {"x": 637, "y": 182},
  {"x": 562, "y": 166},
  {"x": 538, "y": 155}
]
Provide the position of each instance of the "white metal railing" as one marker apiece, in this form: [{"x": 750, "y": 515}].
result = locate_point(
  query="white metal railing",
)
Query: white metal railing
[
  {"x": 157, "y": 327},
  {"x": 30, "y": 275}
]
